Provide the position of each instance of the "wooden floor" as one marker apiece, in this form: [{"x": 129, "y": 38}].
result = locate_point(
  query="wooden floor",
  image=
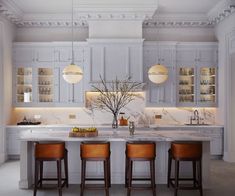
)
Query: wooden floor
[{"x": 222, "y": 177}]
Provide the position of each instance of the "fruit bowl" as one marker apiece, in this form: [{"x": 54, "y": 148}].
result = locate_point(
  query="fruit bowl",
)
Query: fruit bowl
[{"x": 84, "y": 132}]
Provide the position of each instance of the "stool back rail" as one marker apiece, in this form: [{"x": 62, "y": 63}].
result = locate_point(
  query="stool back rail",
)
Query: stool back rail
[
  {"x": 50, "y": 151},
  {"x": 140, "y": 151},
  {"x": 185, "y": 151},
  {"x": 95, "y": 151}
]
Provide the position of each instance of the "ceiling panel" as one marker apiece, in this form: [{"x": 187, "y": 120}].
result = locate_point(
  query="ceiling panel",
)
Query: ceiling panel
[{"x": 165, "y": 6}]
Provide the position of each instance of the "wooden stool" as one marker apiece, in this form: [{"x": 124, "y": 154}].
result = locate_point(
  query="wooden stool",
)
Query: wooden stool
[
  {"x": 50, "y": 152},
  {"x": 140, "y": 151},
  {"x": 185, "y": 151},
  {"x": 95, "y": 151}
]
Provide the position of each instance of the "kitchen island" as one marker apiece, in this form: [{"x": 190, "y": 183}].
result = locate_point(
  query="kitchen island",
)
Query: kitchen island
[{"x": 117, "y": 139}]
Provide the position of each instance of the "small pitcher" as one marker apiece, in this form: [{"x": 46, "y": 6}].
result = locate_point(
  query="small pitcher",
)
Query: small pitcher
[{"x": 131, "y": 127}]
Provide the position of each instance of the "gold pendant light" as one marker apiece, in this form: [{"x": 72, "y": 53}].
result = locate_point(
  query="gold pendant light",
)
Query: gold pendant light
[
  {"x": 72, "y": 73},
  {"x": 158, "y": 74}
]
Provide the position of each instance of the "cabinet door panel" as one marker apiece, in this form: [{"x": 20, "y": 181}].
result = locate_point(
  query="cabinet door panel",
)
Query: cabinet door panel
[
  {"x": 45, "y": 55},
  {"x": 136, "y": 63},
  {"x": 186, "y": 57},
  {"x": 63, "y": 54},
  {"x": 25, "y": 55},
  {"x": 116, "y": 63},
  {"x": 207, "y": 57},
  {"x": 97, "y": 63},
  {"x": 64, "y": 89},
  {"x": 163, "y": 94}
]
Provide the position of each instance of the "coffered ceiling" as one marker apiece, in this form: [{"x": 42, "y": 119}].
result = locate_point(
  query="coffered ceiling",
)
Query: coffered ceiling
[{"x": 168, "y": 12}]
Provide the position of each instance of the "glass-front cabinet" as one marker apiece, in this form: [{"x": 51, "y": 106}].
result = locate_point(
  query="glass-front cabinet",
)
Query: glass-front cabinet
[
  {"x": 24, "y": 85},
  {"x": 45, "y": 84},
  {"x": 207, "y": 92},
  {"x": 197, "y": 86},
  {"x": 186, "y": 86},
  {"x": 34, "y": 85}
]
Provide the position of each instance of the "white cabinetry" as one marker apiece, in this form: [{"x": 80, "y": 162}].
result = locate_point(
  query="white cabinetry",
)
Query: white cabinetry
[
  {"x": 38, "y": 71},
  {"x": 33, "y": 53},
  {"x": 113, "y": 59},
  {"x": 160, "y": 53},
  {"x": 196, "y": 74}
]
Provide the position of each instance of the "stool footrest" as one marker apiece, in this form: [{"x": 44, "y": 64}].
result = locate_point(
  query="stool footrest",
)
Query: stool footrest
[
  {"x": 141, "y": 179},
  {"x": 141, "y": 187},
  {"x": 101, "y": 187},
  {"x": 94, "y": 179}
]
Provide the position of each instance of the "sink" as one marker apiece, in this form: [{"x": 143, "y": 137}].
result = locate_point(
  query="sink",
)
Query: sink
[{"x": 197, "y": 124}]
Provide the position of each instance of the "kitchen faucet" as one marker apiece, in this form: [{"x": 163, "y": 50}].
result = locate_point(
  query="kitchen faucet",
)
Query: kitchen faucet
[{"x": 195, "y": 117}]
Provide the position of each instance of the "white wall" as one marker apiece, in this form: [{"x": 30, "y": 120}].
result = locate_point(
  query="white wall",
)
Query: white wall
[
  {"x": 180, "y": 34},
  {"x": 225, "y": 32},
  {"x": 149, "y": 34},
  {"x": 7, "y": 37},
  {"x": 50, "y": 34}
]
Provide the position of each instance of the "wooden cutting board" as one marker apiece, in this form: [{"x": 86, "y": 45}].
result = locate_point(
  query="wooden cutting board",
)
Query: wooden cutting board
[{"x": 83, "y": 134}]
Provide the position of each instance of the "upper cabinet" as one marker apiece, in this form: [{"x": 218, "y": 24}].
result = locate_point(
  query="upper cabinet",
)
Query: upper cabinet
[
  {"x": 196, "y": 74},
  {"x": 160, "y": 95},
  {"x": 192, "y": 68},
  {"x": 33, "y": 53},
  {"x": 37, "y": 76},
  {"x": 111, "y": 59}
]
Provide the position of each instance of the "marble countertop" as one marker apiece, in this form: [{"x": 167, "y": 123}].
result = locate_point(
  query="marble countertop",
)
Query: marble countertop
[
  {"x": 108, "y": 126},
  {"x": 116, "y": 136}
]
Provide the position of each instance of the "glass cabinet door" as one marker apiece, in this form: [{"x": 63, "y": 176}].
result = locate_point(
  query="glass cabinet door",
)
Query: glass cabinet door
[
  {"x": 186, "y": 85},
  {"x": 207, "y": 85},
  {"x": 24, "y": 85},
  {"x": 45, "y": 84}
]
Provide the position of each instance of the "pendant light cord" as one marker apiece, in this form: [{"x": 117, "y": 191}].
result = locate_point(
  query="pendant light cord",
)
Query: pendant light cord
[{"x": 72, "y": 36}]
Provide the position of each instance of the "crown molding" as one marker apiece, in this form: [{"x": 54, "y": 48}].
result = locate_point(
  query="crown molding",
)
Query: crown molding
[
  {"x": 221, "y": 10},
  {"x": 10, "y": 11},
  {"x": 178, "y": 21},
  {"x": 83, "y": 15}
]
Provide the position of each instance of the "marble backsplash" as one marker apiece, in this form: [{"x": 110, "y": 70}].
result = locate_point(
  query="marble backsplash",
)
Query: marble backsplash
[{"x": 135, "y": 111}]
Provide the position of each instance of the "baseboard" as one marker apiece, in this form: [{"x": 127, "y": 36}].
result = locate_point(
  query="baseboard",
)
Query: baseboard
[
  {"x": 2, "y": 158},
  {"x": 229, "y": 156}
]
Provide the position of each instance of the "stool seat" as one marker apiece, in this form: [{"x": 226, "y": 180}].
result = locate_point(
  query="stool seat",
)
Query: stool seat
[
  {"x": 185, "y": 151},
  {"x": 95, "y": 151},
  {"x": 140, "y": 151},
  {"x": 50, "y": 151}
]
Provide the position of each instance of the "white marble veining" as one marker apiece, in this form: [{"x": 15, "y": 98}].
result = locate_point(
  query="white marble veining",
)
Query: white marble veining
[{"x": 116, "y": 136}]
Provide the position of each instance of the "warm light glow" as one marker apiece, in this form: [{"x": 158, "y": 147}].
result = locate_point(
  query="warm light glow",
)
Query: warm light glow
[
  {"x": 72, "y": 74},
  {"x": 158, "y": 74}
]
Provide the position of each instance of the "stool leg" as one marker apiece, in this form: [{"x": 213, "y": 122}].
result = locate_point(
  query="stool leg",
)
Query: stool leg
[
  {"x": 106, "y": 178},
  {"x": 36, "y": 178},
  {"x": 41, "y": 173},
  {"x": 59, "y": 177},
  {"x": 66, "y": 169},
  {"x": 130, "y": 168},
  {"x": 109, "y": 172},
  {"x": 126, "y": 173},
  {"x": 83, "y": 173},
  {"x": 152, "y": 172},
  {"x": 176, "y": 177},
  {"x": 169, "y": 169},
  {"x": 200, "y": 177},
  {"x": 194, "y": 173}
]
